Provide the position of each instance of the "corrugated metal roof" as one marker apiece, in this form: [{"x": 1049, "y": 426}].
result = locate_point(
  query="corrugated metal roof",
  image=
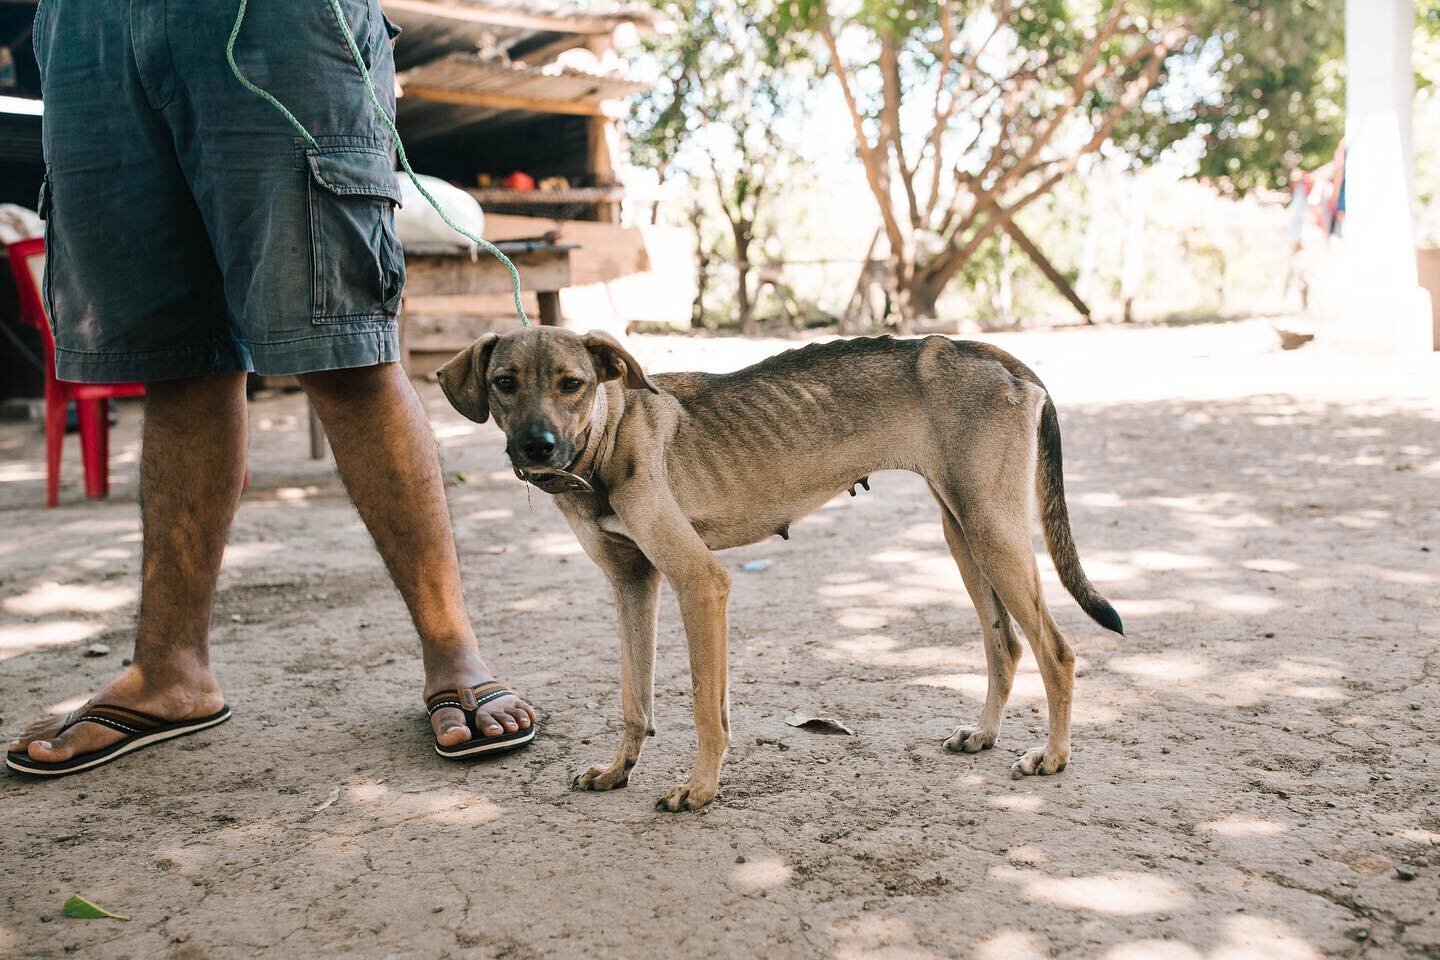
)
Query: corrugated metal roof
[{"x": 466, "y": 73}]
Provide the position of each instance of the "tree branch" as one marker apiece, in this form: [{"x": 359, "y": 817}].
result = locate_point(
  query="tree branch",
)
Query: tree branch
[
  {"x": 939, "y": 271},
  {"x": 890, "y": 121},
  {"x": 862, "y": 145},
  {"x": 1084, "y": 81},
  {"x": 942, "y": 115}
]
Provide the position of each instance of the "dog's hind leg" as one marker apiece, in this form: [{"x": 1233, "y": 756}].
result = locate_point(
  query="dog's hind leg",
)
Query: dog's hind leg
[
  {"x": 997, "y": 530},
  {"x": 1002, "y": 650},
  {"x": 636, "y": 583},
  {"x": 1007, "y": 558}
]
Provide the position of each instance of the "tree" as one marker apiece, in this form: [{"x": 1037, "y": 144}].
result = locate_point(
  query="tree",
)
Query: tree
[
  {"x": 1258, "y": 90},
  {"x": 967, "y": 111},
  {"x": 712, "y": 113}
]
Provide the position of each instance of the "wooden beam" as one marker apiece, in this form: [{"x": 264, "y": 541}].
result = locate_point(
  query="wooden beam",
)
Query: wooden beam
[
  {"x": 504, "y": 17},
  {"x": 545, "y": 53},
  {"x": 1046, "y": 267},
  {"x": 504, "y": 101},
  {"x": 451, "y": 275}
]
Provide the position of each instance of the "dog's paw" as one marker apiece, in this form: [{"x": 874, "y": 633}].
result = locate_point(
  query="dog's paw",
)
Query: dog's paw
[
  {"x": 1040, "y": 762},
  {"x": 602, "y": 778},
  {"x": 970, "y": 740},
  {"x": 687, "y": 796}
]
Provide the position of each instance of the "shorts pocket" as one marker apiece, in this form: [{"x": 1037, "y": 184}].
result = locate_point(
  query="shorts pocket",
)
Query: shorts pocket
[{"x": 357, "y": 263}]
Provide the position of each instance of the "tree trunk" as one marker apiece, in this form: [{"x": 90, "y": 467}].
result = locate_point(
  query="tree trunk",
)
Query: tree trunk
[
  {"x": 702, "y": 266},
  {"x": 702, "y": 284},
  {"x": 661, "y": 169},
  {"x": 924, "y": 299},
  {"x": 743, "y": 238},
  {"x": 900, "y": 284},
  {"x": 1003, "y": 302}
]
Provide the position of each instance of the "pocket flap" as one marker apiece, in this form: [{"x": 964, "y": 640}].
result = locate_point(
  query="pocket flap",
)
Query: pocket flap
[{"x": 347, "y": 172}]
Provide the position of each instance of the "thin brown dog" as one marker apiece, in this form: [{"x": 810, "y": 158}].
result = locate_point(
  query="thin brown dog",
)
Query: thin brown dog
[{"x": 653, "y": 474}]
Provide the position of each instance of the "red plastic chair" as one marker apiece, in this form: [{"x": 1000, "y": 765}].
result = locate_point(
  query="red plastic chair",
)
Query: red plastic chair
[{"x": 27, "y": 261}]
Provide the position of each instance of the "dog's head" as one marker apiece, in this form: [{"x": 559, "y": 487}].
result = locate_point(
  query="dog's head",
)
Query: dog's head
[{"x": 539, "y": 384}]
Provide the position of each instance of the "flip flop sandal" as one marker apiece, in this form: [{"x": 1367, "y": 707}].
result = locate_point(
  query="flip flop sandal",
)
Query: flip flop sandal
[
  {"x": 468, "y": 700},
  {"x": 140, "y": 729}
]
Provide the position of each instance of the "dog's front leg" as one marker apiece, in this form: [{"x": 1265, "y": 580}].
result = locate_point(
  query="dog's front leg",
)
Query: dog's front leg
[
  {"x": 704, "y": 594},
  {"x": 637, "y": 600},
  {"x": 702, "y": 585}
]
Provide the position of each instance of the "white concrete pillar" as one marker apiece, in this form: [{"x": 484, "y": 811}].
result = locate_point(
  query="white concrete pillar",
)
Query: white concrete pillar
[{"x": 1383, "y": 306}]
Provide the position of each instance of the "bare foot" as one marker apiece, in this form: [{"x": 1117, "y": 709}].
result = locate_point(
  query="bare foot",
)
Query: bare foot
[
  {"x": 507, "y": 714},
  {"x": 183, "y": 694}
]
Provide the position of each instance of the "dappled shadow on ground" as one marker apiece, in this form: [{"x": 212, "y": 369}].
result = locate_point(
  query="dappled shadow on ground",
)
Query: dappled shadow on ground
[{"x": 1251, "y": 762}]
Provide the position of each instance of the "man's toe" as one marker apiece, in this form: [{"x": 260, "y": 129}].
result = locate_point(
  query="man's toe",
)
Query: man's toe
[
  {"x": 494, "y": 724},
  {"x": 41, "y": 729},
  {"x": 51, "y": 751},
  {"x": 450, "y": 729},
  {"x": 81, "y": 738},
  {"x": 523, "y": 711},
  {"x": 521, "y": 718}
]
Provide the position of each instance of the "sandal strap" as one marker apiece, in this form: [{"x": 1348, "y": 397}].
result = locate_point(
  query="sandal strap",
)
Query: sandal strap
[
  {"x": 493, "y": 695},
  {"x": 123, "y": 719},
  {"x": 477, "y": 695}
]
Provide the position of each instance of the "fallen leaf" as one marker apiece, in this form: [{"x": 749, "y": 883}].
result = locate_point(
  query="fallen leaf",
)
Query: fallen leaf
[
  {"x": 334, "y": 795},
  {"x": 82, "y": 909},
  {"x": 798, "y": 718}
]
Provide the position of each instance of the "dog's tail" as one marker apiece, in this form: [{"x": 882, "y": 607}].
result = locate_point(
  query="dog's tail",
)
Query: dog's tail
[{"x": 1055, "y": 518}]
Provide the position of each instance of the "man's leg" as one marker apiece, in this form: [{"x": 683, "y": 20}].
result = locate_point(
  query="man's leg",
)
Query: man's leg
[
  {"x": 192, "y": 466},
  {"x": 388, "y": 460}
]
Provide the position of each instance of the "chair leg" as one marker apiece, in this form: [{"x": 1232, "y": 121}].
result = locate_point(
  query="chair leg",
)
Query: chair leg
[
  {"x": 56, "y": 406},
  {"x": 95, "y": 447}
]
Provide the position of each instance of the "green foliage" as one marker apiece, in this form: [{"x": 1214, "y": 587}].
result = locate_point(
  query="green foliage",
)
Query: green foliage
[
  {"x": 1427, "y": 43},
  {"x": 719, "y": 68},
  {"x": 1257, "y": 90},
  {"x": 1247, "y": 91}
]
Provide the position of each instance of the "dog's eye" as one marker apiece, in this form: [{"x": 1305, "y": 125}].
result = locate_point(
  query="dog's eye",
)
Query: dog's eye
[
  {"x": 504, "y": 384},
  {"x": 571, "y": 384}
]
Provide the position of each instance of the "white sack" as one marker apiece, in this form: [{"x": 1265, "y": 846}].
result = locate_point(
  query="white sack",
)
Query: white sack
[{"x": 417, "y": 222}]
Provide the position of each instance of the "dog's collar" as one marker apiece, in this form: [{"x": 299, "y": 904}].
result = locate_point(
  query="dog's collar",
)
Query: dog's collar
[{"x": 578, "y": 475}]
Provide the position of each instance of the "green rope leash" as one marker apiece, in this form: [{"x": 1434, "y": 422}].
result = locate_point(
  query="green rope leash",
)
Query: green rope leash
[{"x": 355, "y": 55}]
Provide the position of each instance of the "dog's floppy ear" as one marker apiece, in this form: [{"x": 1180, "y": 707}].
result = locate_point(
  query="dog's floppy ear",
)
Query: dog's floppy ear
[
  {"x": 463, "y": 378},
  {"x": 613, "y": 362}
]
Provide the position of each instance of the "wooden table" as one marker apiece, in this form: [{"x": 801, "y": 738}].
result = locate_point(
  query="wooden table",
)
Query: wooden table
[
  {"x": 444, "y": 271},
  {"x": 435, "y": 270}
]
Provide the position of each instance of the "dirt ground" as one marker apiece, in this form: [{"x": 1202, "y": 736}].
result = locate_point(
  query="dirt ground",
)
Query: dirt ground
[{"x": 1254, "y": 765}]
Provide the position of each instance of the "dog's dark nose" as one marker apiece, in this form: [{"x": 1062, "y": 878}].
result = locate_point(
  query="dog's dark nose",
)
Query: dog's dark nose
[{"x": 538, "y": 445}]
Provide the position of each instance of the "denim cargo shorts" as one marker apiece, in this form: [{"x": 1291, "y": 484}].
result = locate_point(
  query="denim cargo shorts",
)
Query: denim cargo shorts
[{"x": 190, "y": 231}]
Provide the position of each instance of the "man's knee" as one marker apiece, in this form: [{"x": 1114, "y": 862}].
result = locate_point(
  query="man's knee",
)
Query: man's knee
[
  {"x": 350, "y": 381},
  {"x": 186, "y": 392}
]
